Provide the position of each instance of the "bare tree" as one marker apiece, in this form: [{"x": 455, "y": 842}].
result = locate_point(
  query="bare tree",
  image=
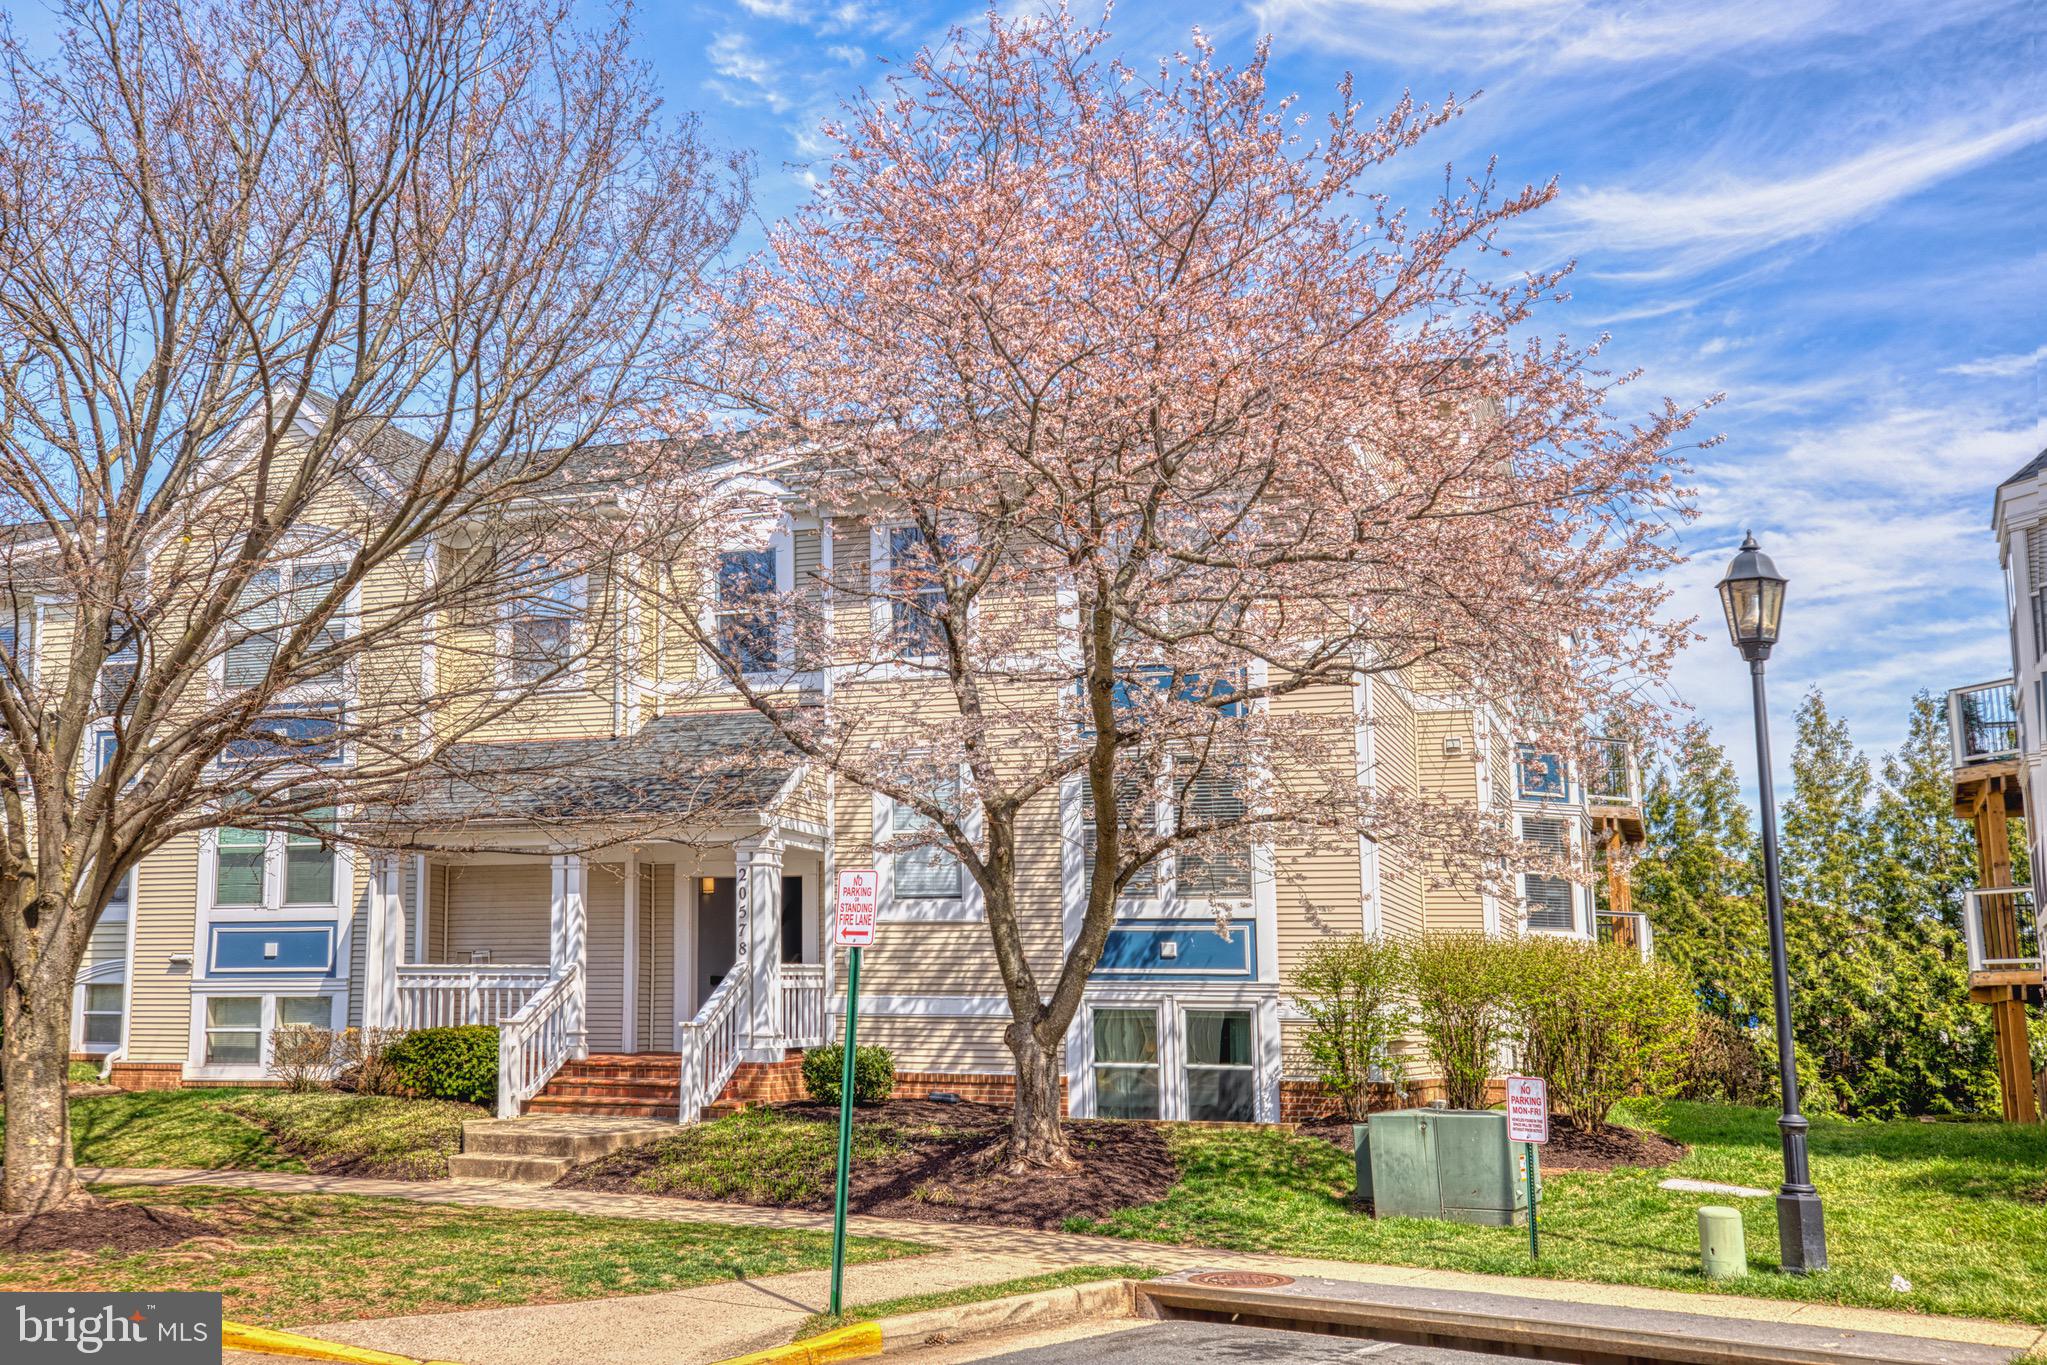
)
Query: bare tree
[
  {"x": 1177, "y": 430},
  {"x": 323, "y": 335}
]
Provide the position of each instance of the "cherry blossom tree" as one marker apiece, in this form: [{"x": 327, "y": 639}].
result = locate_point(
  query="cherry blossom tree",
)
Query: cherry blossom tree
[
  {"x": 320, "y": 327},
  {"x": 1178, "y": 429}
]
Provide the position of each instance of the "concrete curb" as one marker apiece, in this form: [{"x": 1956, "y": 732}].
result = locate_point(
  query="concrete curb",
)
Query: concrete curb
[
  {"x": 240, "y": 1336},
  {"x": 844, "y": 1343},
  {"x": 936, "y": 1326},
  {"x": 1504, "y": 1324}
]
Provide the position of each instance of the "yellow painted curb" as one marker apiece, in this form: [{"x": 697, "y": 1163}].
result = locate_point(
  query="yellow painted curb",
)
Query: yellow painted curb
[
  {"x": 842, "y": 1343},
  {"x": 239, "y": 1336}
]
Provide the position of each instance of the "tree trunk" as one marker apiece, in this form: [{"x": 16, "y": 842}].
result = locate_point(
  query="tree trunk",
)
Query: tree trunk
[
  {"x": 1036, "y": 1140},
  {"x": 36, "y": 1057}
]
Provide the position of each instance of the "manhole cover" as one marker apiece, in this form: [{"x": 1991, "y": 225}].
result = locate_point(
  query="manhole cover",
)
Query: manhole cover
[{"x": 1240, "y": 1279}]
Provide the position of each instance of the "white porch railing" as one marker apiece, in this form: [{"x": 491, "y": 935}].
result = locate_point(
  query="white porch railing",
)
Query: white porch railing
[
  {"x": 442, "y": 996},
  {"x": 534, "y": 1042},
  {"x": 2003, "y": 930},
  {"x": 710, "y": 1048},
  {"x": 803, "y": 1006}
]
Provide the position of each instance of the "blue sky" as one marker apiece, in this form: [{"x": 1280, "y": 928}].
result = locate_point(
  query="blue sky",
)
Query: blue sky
[{"x": 1832, "y": 213}]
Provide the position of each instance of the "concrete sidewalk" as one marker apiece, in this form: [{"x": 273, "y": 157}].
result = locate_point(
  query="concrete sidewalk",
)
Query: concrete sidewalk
[{"x": 716, "y": 1321}]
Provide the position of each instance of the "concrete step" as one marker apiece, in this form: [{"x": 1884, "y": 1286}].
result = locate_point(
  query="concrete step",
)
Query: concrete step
[
  {"x": 575, "y": 1138},
  {"x": 524, "y": 1170}
]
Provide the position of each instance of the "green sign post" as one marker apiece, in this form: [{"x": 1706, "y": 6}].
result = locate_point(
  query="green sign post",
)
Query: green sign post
[
  {"x": 1528, "y": 1124},
  {"x": 853, "y": 930}
]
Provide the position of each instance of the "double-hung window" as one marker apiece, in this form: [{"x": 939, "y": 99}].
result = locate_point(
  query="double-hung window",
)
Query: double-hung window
[
  {"x": 100, "y": 1025},
  {"x": 916, "y": 594},
  {"x": 118, "y": 668},
  {"x": 239, "y": 856},
  {"x": 1221, "y": 869},
  {"x": 747, "y": 622},
  {"x": 540, "y": 625},
  {"x": 1222, "y": 1079},
  {"x": 234, "y": 1030},
  {"x": 1136, "y": 819},
  {"x": 930, "y": 871},
  {"x": 1552, "y": 901},
  {"x": 254, "y": 869},
  {"x": 17, "y": 634},
  {"x": 1126, "y": 1063}
]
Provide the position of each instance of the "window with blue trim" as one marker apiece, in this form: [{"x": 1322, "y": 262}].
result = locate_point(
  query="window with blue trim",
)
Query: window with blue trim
[
  {"x": 303, "y": 734},
  {"x": 306, "y": 950}
]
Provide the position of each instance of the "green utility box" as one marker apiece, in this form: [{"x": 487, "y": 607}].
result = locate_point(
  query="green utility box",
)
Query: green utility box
[{"x": 1443, "y": 1163}]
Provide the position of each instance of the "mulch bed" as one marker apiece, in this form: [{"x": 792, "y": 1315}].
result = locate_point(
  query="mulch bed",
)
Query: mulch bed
[
  {"x": 1570, "y": 1148},
  {"x": 955, "y": 1175},
  {"x": 122, "y": 1227}
]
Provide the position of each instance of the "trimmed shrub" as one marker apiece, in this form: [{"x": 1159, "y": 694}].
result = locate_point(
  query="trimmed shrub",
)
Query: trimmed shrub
[
  {"x": 1353, "y": 991},
  {"x": 448, "y": 1063},
  {"x": 1599, "y": 1024},
  {"x": 874, "y": 1073},
  {"x": 1461, "y": 981},
  {"x": 1727, "y": 1064}
]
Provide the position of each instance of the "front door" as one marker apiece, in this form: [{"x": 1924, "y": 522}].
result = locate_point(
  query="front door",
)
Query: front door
[
  {"x": 792, "y": 918},
  {"x": 717, "y": 933}
]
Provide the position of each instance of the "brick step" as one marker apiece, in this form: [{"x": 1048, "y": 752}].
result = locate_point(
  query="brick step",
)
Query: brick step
[
  {"x": 525, "y": 1170},
  {"x": 578, "y": 1088},
  {"x": 578, "y": 1071},
  {"x": 544, "y": 1103}
]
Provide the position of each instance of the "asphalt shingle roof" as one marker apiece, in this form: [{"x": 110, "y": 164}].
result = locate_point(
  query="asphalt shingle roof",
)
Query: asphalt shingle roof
[
  {"x": 677, "y": 769},
  {"x": 2032, "y": 467}
]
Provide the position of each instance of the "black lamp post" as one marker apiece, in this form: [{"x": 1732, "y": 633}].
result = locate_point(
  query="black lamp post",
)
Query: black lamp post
[{"x": 1752, "y": 593}]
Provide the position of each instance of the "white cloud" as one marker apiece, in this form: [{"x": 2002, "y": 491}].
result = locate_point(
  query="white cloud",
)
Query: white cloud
[
  {"x": 759, "y": 81},
  {"x": 1571, "y": 33},
  {"x": 774, "y": 9},
  {"x": 2000, "y": 366},
  {"x": 1697, "y": 223},
  {"x": 1882, "y": 524}
]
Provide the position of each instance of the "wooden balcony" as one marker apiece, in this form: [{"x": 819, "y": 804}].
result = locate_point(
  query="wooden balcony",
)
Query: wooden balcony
[
  {"x": 2001, "y": 925},
  {"x": 1983, "y": 738},
  {"x": 1613, "y": 788}
]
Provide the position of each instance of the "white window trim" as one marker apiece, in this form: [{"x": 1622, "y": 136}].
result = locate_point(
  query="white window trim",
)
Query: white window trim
[
  {"x": 196, "y": 1067},
  {"x": 1581, "y": 907},
  {"x": 348, "y": 622},
  {"x": 1165, "y": 902},
  {"x": 969, "y": 907},
  {"x": 112, "y": 972},
  {"x": 782, "y": 541},
  {"x": 881, "y": 609},
  {"x": 1172, "y": 1002},
  {"x": 570, "y": 679}
]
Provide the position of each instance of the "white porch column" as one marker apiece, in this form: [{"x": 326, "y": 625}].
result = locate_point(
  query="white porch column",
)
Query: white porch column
[
  {"x": 569, "y": 941},
  {"x": 386, "y": 946},
  {"x": 629, "y": 996},
  {"x": 759, "y": 949}
]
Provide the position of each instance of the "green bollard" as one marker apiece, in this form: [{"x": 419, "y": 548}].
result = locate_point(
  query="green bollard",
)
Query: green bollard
[{"x": 1723, "y": 1252}]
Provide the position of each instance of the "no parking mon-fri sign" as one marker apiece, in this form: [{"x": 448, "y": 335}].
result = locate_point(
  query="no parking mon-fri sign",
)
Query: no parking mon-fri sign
[{"x": 1527, "y": 1109}]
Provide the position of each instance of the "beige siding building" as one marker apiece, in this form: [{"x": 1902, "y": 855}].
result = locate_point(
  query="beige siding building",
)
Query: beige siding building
[{"x": 668, "y": 890}]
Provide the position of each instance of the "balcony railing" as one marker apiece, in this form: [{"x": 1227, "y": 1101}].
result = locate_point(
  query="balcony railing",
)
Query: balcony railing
[
  {"x": 2002, "y": 927},
  {"x": 440, "y": 996},
  {"x": 1983, "y": 722},
  {"x": 1612, "y": 775},
  {"x": 1630, "y": 927}
]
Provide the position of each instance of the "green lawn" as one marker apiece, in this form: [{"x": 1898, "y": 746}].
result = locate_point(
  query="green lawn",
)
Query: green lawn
[
  {"x": 1960, "y": 1210},
  {"x": 972, "y": 1293},
  {"x": 268, "y": 1130},
  {"x": 757, "y": 1156},
  {"x": 288, "y": 1260}
]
